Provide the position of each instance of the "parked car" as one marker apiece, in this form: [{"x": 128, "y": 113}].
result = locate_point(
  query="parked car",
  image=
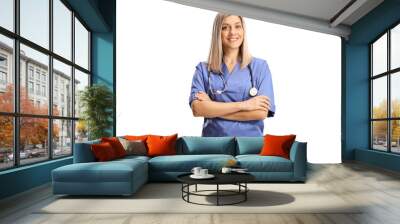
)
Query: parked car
[{"x": 22, "y": 155}]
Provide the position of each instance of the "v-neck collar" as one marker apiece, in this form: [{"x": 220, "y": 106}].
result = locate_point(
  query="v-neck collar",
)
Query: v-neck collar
[{"x": 226, "y": 70}]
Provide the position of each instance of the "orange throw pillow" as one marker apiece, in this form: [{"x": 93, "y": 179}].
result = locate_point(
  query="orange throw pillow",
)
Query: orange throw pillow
[
  {"x": 103, "y": 151},
  {"x": 161, "y": 145},
  {"x": 116, "y": 145},
  {"x": 277, "y": 145},
  {"x": 135, "y": 138}
]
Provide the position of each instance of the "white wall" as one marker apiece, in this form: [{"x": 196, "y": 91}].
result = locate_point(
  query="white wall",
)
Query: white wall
[{"x": 159, "y": 43}]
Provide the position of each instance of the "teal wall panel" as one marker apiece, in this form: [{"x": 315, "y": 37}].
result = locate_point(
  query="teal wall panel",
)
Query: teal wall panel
[
  {"x": 376, "y": 158},
  {"x": 103, "y": 63},
  {"x": 24, "y": 178},
  {"x": 102, "y": 59}
]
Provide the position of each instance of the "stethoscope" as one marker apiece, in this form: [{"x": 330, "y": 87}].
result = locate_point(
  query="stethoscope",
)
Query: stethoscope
[{"x": 253, "y": 91}]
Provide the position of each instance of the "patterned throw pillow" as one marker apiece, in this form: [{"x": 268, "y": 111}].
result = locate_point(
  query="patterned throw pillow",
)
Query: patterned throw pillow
[{"x": 134, "y": 147}]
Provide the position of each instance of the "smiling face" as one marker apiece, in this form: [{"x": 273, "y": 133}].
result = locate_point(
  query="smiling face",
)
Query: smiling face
[{"x": 232, "y": 32}]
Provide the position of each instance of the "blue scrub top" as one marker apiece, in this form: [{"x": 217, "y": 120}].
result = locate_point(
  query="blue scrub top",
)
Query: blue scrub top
[{"x": 237, "y": 89}]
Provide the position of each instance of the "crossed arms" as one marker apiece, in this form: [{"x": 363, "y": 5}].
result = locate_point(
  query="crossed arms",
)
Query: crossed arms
[{"x": 255, "y": 108}]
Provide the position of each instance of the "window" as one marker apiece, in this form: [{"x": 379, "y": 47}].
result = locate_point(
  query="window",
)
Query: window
[
  {"x": 35, "y": 21},
  {"x": 81, "y": 45},
  {"x": 43, "y": 77},
  {"x": 37, "y": 89},
  {"x": 385, "y": 91},
  {"x": 30, "y": 72},
  {"x": 395, "y": 46},
  {"x": 44, "y": 91},
  {"x": 62, "y": 29},
  {"x": 6, "y": 142},
  {"x": 30, "y": 87},
  {"x": 6, "y": 73},
  {"x": 33, "y": 149},
  {"x": 62, "y": 137},
  {"x": 52, "y": 134},
  {"x": 7, "y": 14},
  {"x": 3, "y": 61},
  {"x": 62, "y": 75},
  {"x": 55, "y": 95},
  {"x": 3, "y": 72},
  {"x": 3, "y": 78},
  {"x": 37, "y": 75},
  {"x": 81, "y": 81}
]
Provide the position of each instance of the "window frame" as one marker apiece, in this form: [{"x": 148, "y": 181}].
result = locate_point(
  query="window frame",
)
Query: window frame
[
  {"x": 388, "y": 74},
  {"x": 15, "y": 72}
]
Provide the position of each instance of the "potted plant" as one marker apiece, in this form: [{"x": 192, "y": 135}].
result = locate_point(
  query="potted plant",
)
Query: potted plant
[{"x": 97, "y": 106}]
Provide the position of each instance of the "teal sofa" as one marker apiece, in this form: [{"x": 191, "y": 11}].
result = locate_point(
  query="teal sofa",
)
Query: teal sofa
[{"x": 125, "y": 176}]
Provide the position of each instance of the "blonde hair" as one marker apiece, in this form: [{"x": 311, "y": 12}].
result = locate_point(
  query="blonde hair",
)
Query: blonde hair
[{"x": 216, "y": 52}]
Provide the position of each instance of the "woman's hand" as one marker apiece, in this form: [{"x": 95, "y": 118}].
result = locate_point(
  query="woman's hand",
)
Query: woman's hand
[
  {"x": 202, "y": 96},
  {"x": 257, "y": 103}
]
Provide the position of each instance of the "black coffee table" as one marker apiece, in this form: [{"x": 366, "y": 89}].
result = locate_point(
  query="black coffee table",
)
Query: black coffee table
[{"x": 239, "y": 179}]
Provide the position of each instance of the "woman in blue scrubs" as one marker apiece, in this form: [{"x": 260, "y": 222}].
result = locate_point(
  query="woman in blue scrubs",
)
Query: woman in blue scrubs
[{"x": 233, "y": 90}]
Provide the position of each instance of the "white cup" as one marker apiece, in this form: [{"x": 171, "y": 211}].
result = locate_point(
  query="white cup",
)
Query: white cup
[
  {"x": 196, "y": 171},
  {"x": 226, "y": 170},
  {"x": 203, "y": 172}
]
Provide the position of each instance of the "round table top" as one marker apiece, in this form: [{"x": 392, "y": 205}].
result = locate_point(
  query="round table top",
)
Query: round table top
[{"x": 220, "y": 178}]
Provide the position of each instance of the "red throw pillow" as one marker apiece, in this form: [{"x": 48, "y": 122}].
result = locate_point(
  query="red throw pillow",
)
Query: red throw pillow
[
  {"x": 161, "y": 145},
  {"x": 116, "y": 145},
  {"x": 103, "y": 151},
  {"x": 277, "y": 145}
]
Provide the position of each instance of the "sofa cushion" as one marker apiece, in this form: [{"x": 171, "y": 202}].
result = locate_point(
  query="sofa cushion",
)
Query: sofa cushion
[
  {"x": 249, "y": 145},
  {"x": 111, "y": 171},
  {"x": 133, "y": 158},
  {"x": 185, "y": 163},
  {"x": 192, "y": 145},
  {"x": 257, "y": 163}
]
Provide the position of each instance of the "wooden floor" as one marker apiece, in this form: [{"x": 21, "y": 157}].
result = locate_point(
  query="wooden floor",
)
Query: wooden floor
[{"x": 377, "y": 188}]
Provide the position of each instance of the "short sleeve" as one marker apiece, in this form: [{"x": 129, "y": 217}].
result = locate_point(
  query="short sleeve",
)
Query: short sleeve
[
  {"x": 265, "y": 86},
  {"x": 197, "y": 83}
]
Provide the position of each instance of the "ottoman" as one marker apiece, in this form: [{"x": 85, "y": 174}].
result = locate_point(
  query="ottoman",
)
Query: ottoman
[{"x": 118, "y": 177}]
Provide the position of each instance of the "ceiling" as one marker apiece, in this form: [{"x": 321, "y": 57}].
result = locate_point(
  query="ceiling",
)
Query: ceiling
[{"x": 327, "y": 16}]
